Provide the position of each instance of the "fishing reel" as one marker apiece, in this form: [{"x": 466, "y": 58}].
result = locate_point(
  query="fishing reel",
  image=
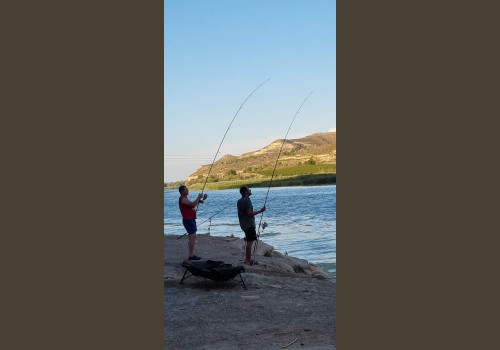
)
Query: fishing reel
[
  {"x": 203, "y": 198},
  {"x": 263, "y": 225}
]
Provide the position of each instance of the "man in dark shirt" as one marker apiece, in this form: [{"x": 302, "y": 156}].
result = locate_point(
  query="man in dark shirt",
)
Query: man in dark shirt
[{"x": 246, "y": 216}]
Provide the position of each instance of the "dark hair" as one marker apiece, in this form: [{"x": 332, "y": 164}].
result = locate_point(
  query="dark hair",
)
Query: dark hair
[
  {"x": 243, "y": 190},
  {"x": 181, "y": 188}
]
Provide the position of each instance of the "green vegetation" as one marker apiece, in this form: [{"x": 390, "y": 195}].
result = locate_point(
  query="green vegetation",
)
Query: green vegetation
[
  {"x": 199, "y": 179},
  {"x": 310, "y": 160},
  {"x": 307, "y": 168},
  {"x": 303, "y": 180},
  {"x": 305, "y": 174},
  {"x": 293, "y": 151},
  {"x": 213, "y": 178},
  {"x": 172, "y": 185}
]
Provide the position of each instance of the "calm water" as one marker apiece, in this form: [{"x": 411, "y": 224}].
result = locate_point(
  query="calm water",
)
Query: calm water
[{"x": 301, "y": 220}]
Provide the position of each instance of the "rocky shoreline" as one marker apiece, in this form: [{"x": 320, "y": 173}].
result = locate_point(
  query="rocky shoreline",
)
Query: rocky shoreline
[{"x": 288, "y": 301}]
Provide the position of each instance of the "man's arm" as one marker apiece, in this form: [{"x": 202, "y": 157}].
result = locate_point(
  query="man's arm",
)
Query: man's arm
[
  {"x": 252, "y": 213},
  {"x": 187, "y": 202}
]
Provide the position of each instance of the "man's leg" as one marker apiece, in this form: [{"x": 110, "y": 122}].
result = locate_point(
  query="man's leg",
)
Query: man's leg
[
  {"x": 192, "y": 243},
  {"x": 248, "y": 251}
]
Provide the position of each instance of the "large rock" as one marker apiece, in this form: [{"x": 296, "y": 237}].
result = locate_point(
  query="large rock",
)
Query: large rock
[
  {"x": 263, "y": 249},
  {"x": 296, "y": 265},
  {"x": 279, "y": 262}
]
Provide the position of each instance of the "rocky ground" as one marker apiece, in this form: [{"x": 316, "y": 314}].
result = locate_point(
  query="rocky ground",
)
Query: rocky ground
[{"x": 287, "y": 300}]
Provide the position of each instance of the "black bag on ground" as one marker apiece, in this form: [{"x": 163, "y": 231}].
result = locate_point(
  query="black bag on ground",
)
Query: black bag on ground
[{"x": 214, "y": 270}]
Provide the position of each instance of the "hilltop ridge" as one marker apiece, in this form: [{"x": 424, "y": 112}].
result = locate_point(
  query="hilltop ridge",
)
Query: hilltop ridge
[{"x": 316, "y": 153}]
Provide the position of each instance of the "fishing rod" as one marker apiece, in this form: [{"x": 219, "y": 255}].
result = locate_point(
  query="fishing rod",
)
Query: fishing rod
[
  {"x": 209, "y": 219},
  {"x": 206, "y": 179},
  {"x": 264, "y": 225}
]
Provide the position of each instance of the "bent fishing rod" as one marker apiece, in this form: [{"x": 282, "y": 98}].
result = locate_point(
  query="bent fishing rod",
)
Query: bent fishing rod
[
  {"x": 272, "y": 176},
  {"x": 239, "y": 109}
]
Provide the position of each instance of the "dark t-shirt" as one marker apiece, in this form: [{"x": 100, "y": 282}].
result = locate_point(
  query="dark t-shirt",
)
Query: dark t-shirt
[{"x": 244, "y": 203}]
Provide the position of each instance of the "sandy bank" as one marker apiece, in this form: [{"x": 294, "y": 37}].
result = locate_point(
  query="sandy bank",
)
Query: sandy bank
[{"x": 286, "y": 299}]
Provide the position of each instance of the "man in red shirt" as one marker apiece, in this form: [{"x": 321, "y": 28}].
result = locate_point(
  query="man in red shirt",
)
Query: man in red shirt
[{"x": 188, "y": 212}]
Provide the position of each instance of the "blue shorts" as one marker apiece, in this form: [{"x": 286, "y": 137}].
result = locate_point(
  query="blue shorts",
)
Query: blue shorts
[{"x": 190, "y": 226}]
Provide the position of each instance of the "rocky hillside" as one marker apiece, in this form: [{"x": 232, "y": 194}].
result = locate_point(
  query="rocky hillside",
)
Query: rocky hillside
[{"x": 316, "y": 149}]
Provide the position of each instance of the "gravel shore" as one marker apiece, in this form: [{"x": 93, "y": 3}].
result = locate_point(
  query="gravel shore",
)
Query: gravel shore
[{"x": 287, "y": 300}]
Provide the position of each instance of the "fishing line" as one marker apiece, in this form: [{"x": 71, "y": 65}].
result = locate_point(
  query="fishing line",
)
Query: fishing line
[
  {"x": 206, "y": 179},
  {"x": 272, "y": 176},
  {"x": 209, "y": 219},
  {"x": 239, "y": 109}
]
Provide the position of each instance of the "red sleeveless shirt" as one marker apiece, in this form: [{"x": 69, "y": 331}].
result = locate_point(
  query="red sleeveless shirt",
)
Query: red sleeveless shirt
[{"x": 187, "y": 212}]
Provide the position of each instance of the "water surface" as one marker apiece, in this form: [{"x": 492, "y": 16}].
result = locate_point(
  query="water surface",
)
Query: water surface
[{"x": 301, "y": 220}]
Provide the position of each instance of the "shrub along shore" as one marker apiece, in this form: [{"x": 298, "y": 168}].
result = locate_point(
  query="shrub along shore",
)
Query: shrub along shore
[{"x": 278, "y": 181}]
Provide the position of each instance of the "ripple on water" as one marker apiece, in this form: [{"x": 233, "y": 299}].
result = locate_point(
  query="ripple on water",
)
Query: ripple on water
[{"x": 300, "y": 221}]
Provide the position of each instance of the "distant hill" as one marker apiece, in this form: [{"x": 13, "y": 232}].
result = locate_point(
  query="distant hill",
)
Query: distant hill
[{"x": 313, "y": 154}]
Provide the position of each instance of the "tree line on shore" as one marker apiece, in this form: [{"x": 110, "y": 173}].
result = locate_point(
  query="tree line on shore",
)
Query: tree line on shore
[{"x": 278, "y": 181}]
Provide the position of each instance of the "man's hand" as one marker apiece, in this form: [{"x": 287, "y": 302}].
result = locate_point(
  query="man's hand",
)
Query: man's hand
[
  {"x": 263, "y": 209},
  {"x": 199, "y": 198}
]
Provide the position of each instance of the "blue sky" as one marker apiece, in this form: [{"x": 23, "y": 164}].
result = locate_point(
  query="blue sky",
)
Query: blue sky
[{"x": 217, "y": 51}]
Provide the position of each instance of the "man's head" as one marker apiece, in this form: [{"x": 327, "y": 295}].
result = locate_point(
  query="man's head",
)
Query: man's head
[
  {"x": 244, "y": 190},
  {"x": 183, "y": 189}
]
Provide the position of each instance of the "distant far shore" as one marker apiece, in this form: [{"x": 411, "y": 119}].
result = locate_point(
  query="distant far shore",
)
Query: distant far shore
[{"x": 301, "y": 180}]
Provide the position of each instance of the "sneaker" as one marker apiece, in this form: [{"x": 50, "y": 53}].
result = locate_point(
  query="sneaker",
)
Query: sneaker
[{"x": 194, "y": 257}]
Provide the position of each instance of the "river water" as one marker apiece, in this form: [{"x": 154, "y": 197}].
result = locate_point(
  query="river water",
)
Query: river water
[{"x": 301, "y": 220}]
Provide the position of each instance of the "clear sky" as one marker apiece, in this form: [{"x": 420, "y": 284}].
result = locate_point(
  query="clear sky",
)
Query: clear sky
[{"x": 217, "y": 51}]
